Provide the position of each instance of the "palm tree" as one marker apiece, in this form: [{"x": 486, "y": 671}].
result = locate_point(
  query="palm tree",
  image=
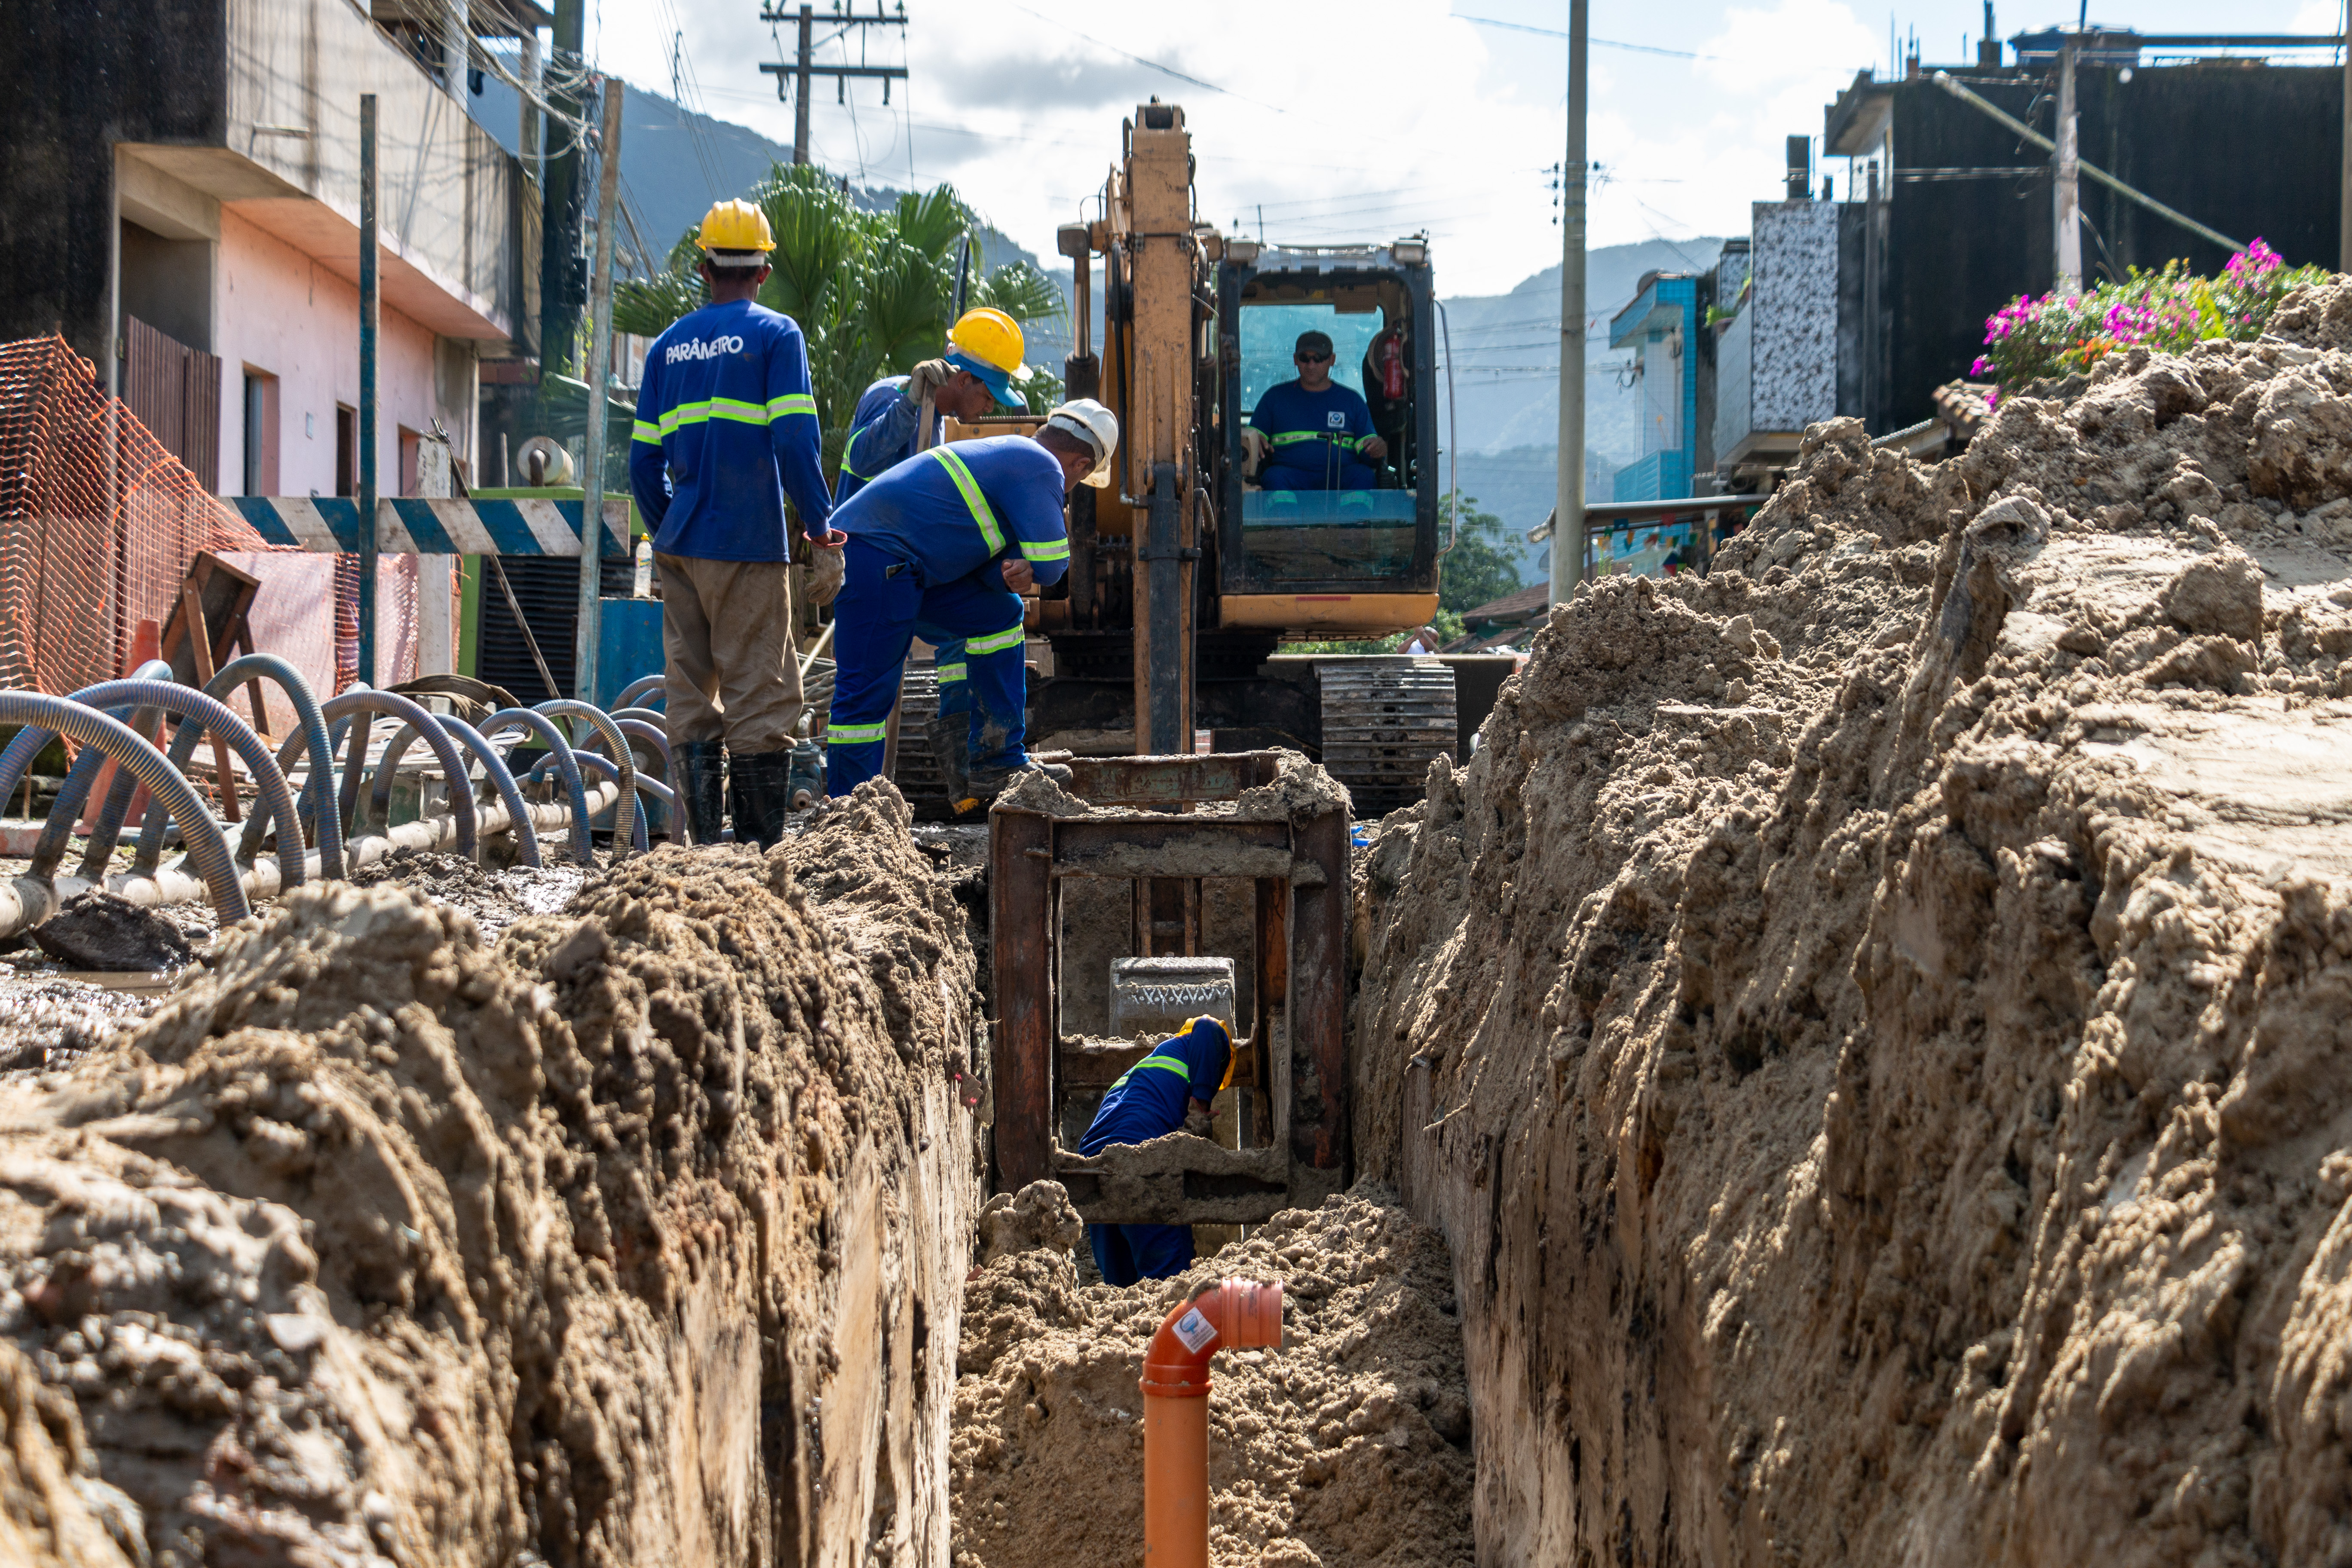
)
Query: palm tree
[{"x": 874, "y": 293}]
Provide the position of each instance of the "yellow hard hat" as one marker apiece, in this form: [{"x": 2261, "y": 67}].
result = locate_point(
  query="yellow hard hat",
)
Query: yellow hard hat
[
  {"x": 735, "y": 231},
  {"x": 993, "y": 337}
]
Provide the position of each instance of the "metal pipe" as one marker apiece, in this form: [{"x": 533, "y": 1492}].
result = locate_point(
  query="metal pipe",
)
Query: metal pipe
[
  {"x": 206, "y": 846},
  {"x": 2065, "y": 194},
  {"x": 547, "y": 729},
  {"x": 358, "y": 701},
  {"x": 370, "y": 314},
  {"x": 1944, "y": 79},
  {"x": 610, "y": 731},
  {"x": 25, "y": 902},
  {"x": 502, "y": 780},
  {"x": 1240, "y": 1314},
  {"x": 320, "y": 784},
  {"x": 600, "y": 371}
]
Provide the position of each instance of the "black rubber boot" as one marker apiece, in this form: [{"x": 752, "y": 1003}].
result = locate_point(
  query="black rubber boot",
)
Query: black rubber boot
[
  {"x": 950, "y": 738},
  {"x": 700, "y": 792},
  {"x": 763, "y": 787}
]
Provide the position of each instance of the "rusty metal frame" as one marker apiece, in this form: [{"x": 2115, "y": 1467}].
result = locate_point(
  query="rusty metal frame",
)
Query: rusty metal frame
[{"x": 1138, "y": 832}]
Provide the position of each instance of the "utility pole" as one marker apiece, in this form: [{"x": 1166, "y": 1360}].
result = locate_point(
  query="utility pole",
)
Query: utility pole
[
  {"x": 2344, "y": 168},
  {"x": 1568, "y": 516},
  {"x": 600, "y": 371},
  {"x": 2066, "y": 198},
  {"x": 802, "y": 67},
  {"x": 559, "y": 291},
  {"x": 370, "y": 301}
]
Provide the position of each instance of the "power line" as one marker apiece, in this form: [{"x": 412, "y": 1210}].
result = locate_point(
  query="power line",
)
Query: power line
[
  {"x": 1604, "y": 43},
  {"x": 1153, "y": 65}
]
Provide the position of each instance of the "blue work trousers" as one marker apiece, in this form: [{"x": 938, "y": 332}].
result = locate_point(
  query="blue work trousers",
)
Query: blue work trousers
[
  {"x": 975, "y": 623},
  {"x": 1127, "y": 1252}
]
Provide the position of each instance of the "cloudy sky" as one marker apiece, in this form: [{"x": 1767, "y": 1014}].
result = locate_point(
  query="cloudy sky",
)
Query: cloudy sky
[{"x": 1336, "y": 122}]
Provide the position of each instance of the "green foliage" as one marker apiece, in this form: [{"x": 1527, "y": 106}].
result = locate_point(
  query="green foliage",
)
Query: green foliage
[
  {"x": 2168, "y": 310},
  {"x": 874, "y": 293},
  {"x": 1482, "y": 566}
]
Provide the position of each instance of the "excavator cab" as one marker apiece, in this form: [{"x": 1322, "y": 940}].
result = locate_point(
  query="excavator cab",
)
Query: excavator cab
[{"x": 1353, "y": 549}]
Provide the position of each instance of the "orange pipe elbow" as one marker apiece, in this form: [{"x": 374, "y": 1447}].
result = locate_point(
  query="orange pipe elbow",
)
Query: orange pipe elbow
[{"x": 1239, "y": 1314}]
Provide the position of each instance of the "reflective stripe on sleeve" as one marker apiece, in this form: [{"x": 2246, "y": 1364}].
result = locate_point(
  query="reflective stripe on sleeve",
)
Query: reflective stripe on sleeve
[
  {"x": 855, "y": 734},
  {"x": 996, "y": 644},
  {"x": 647, "y": 431},
  {"x": 792, "y": 403},
  {"x": 1056, "y": 550},
  {"x": 980, "y": 514}
]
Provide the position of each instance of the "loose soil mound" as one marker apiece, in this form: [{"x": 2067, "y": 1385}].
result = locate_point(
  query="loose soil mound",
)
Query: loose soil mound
[
  {"x": 633, "y": 1239},
  {"x": 1348, "y": 1445},
  {"x": 1872, "y": 1023}
]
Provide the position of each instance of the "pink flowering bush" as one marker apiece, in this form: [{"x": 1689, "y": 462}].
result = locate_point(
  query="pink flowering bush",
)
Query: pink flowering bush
[{"x": 2167, "y": 310}]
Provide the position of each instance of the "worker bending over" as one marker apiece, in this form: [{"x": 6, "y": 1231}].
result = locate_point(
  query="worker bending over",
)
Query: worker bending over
[
  {"x": 1320, "y": 432},
  {"x": 939, "y": 548},
  {"x": 726, "y": 429},
  {"x": 978, "y": 372},
  {"x": 1150, "y": 1100}
]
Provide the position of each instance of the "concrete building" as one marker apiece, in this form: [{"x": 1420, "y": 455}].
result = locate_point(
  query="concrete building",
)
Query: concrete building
[
  {"x": 1661, "y": 325},
  {"x": 180, "y": 200}
]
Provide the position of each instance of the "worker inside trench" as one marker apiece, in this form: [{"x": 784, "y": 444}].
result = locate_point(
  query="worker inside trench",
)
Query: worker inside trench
[{"x": 1351, "y": 1442}]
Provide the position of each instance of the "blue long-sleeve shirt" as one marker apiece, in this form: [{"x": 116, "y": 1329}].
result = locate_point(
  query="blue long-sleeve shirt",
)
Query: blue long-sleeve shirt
[
  {"x": 954, "y": 509},
  {"x": 881, "y": 436},
  {"x": 1148, "y": 1101},
  {"x": 727, "y": 408}
]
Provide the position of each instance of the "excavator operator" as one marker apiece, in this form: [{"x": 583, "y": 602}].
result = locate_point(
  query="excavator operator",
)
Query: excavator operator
[
  {"x": 1319, "y": 434},
  {"x": 1150, "y": 1100},
  {"x": 940, "y": 547}
]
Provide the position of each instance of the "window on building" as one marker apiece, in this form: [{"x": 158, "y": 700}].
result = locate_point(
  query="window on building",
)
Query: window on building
[
  {"x": 347, "y": 451},
  {"x": 408, "y": 444},
  {"x": 261, "y": 433}
]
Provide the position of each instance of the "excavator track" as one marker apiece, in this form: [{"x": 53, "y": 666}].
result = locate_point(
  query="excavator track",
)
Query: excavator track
[
  {"x": 916, "y": 771},
  {"x": 1383, "y": 718}
]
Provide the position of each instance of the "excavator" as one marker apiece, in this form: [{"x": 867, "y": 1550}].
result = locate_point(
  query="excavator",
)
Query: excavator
[
  {"x": 1182, "y": 718},
  {"x": 1186, "y": 576}
]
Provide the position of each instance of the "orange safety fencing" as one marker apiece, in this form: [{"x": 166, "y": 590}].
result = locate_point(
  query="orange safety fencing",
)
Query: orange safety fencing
[{"x": 98, "y": 524}]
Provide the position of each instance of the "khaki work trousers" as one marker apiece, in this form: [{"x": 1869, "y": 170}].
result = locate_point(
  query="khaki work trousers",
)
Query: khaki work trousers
[{"x": 728, "y": 651}]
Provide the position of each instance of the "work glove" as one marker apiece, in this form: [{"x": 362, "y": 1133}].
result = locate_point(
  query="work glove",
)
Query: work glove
[
  {"x": 826, "y": 567},
  {"x": 929, "y": 376}
]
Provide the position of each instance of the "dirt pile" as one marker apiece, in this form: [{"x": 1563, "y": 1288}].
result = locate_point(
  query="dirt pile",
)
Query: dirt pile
[
  {"x": 1348, "y": 1445},
  {"x": 634, "y": 1238},
  {"x": 1871, "y": 1023}
]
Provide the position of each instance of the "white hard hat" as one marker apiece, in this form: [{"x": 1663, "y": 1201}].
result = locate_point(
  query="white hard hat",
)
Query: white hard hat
[{"x": 1095, "y": 426}]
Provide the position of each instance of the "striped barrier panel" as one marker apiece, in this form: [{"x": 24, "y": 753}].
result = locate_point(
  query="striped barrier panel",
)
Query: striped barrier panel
[{"x": 409, "y": 525}]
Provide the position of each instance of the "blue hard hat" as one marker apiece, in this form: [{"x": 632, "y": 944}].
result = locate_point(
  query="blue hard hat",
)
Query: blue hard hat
[{"x": 999, "y": 384}]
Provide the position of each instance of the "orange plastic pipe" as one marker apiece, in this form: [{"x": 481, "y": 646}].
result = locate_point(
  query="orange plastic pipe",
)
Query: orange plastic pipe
[{"x": 1241, "y": 1314}]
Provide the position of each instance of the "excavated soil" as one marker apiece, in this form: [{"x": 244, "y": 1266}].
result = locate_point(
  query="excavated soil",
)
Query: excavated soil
[
  {"x": 636, "y": 1237},
  {"x": 1348, "y": 1445},
  {"x": 1871, "y": 1024}
]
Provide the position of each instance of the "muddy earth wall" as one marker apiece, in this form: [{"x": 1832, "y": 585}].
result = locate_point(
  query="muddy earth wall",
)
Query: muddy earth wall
[
  {"x": 1871, "y": 1024},
  {"x": 637, "y": 1238}
]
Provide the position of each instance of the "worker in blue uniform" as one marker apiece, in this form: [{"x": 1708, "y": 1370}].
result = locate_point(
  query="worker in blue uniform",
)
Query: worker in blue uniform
[
  {"x": 1150, "y": 1100},
  {"x": 726, "y": 429},
  {"x": 1316, "y": 435},
  {"x": 981, "y": 369},
  {"x": 940, "y": 547}
]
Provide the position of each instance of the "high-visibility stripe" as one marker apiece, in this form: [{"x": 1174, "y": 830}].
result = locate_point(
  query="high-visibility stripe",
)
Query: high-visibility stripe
[
  {"x": 647, "y": 431},
  {"x": 855, "y": 734},
  {"x": 792, "y": 403},
  {"x": 997, "y": 643},
  {"x": 1058, "y": 549},
  {"x": 950, "y": 672},
  {"x": 1165, "y": 1064},
  {"x": 977, "y": 502},
  {"x": 710, "y": 409},
  {"x": 1292, "y": 437}
]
